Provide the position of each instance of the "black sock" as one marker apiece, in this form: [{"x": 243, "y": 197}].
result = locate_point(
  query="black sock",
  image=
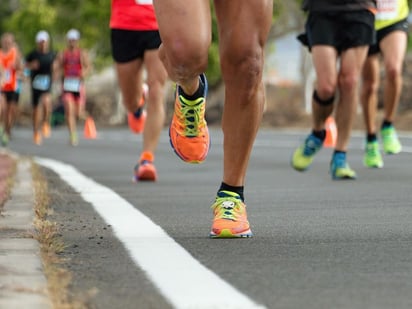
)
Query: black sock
[
  {"x": 138, "y": 112},
  {"x": 338, "y": 152},
  {"x": 386, "y": 124},
  {"x": 238, "y": 190},
  {"x": 320, "y": 134},
  {"x": 371, "y": 137},
  {"x": 198, "y": 93}
]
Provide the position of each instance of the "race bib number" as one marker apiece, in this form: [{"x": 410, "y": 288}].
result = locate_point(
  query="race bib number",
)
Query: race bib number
[
  {"x": 144, "y": 2},
  {"x": 387, "y": 9},
  {"x": 41, "y": 82},
  {"x": 71, "y": 84},
  {"x": 7, "y": 76}
]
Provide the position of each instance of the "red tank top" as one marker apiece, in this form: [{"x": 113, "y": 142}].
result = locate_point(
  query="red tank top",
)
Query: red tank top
[
  {"x": 72, "y": 65},
  {"x": 8, "y": 61},
  {"x": 133, "y": 15}
]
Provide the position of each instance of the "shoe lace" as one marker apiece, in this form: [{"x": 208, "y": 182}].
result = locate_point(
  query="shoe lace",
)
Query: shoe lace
[
  {"x": 192, "y": 115},
  {"x": 339, "y": 162},
  {"x": 372, "y": 150},
  {"x": 227, "y": 207},
  {"x": 142, "y": 163},
  {"x": 311, "y": 146}
]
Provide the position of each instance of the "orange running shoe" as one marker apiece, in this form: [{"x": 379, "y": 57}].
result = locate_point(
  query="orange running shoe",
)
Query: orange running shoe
[
  {"x": 137, "y": 120},
  {"x": 230, "y": 218},
  {"x": 46, "y": 130},
  {"x": 188, "y": 132},
  {"x": 37, "y": 139},
  {"x": 145, "y": 169}
]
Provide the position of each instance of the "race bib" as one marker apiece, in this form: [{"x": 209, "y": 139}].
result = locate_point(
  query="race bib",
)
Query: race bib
[
  {"x": 387, "y": 9},
  {"x": 71, "y": 84},
  {"x": 7, "y": 76},
  {"x": 41, "y": 82},
  {"x": 147, "y": 2}
]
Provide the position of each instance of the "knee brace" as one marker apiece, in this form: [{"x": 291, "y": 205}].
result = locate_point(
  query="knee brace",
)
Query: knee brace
[{"x": 323, "y": 102}]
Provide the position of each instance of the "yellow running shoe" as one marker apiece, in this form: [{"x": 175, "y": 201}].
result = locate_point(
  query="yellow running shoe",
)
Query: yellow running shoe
[
  {"x": 390, "y": 141},
  {"x": 372, "y": 157},
  {"x": 303, "y": 156},
  {"x": 188, "y": 132},
  {"x": 74, "y": 141},
  {"x": 230, "y": 218},
  {"x": 340, "y": 169}
]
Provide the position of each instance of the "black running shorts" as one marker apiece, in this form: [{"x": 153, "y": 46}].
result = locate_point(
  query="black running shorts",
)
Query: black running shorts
[
  {"x": 342, "y": 30},
  {"x": 11, "y": 97},
  {"x": 128, "y": 45},
  {"x": 402, "y": 25}
]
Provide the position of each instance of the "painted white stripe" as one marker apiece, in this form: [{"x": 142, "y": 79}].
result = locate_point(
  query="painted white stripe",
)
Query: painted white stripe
[{"x": 183, "y": 281}]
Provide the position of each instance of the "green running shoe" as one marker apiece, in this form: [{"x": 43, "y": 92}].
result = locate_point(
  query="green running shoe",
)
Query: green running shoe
[
  {"x": 5, "y": 139},
  {"x": 390, "y": 140},
  {"x": 303, "y": 156},
  {"x": 340, "y": 169},
  {"x": 372, "y": 157}
]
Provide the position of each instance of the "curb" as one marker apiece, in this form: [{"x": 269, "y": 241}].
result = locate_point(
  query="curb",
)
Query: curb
[{"x": 22, "y": 280}]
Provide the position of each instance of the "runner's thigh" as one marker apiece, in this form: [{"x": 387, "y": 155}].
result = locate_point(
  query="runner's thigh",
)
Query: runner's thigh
[{"x": 190, "y": 26}]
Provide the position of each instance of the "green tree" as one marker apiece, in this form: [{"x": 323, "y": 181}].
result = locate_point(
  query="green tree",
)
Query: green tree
[{"x": 26, "y": 17}]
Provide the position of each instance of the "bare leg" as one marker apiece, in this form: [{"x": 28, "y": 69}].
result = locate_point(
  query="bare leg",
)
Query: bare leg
[
  {"x": 393, "y": 47},
  {"x": 324, "y": 60},
  {"x": 70, "y": 111},
  {"x": 352, "y": 62},
  {"x": 242, "y": 57},
  {"x": 184, "y": 50},
  {"x": 47, "y": 106},
  {"x": 129, "y": 75},
  {"x": 369, "y": 93},
  {"x": 156, "y": 79}
]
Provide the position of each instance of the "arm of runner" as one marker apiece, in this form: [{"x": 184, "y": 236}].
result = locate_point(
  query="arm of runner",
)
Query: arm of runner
[
  {"x": 57, "y": 67},
  {"x": 85, "y": 62}
]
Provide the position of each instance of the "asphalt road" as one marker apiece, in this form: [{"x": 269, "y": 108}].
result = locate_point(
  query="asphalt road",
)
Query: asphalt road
[{"x": 317, "y": 243}]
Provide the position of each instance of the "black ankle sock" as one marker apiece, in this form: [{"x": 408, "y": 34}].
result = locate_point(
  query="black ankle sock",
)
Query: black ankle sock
[
  {"x": 371, "y": 137},
  {"x": 238, "y": 190},
  {"x": 338, "y": 152},
  {"x": 198, "y": 93},
  {"x": 138, "y": 112},
  {"x": 386, "y": 124},
  {"x": 320, "y": 134}
]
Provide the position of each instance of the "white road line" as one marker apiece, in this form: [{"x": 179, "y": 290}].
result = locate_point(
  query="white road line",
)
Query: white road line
[{"x": 183, "y": 281}]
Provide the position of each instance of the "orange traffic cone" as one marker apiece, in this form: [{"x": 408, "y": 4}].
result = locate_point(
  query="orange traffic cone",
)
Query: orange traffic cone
[
  {"x": 89, "y": 128},
  {"x": 331, "y": 133}
]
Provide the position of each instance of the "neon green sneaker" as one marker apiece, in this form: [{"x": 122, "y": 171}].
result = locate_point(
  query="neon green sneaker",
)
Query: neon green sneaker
[
  {"x": 340, "y": 169},
  {"x": 390, "y": 140},
  {"x": 5, "y": 139},
  {"x": 372, "y": 157},
  {"x": 74, "y": 141},
  {"x": 303, "y": 156}
]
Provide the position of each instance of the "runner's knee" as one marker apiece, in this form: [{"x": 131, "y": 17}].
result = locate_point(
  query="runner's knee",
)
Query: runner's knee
[{"x": 323, "y": 102}]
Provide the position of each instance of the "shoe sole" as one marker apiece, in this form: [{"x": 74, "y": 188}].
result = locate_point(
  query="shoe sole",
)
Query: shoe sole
[
  {"x": 374, "y": 166},
  {"x": 392, "y": 152},
  {"x": 146, "y": 176},
  {"x": 343, "y": 178},
  {"x": 226, "y": 233}
]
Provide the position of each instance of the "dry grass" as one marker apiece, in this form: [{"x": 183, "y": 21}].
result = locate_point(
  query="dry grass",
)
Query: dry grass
[
  {"x": 9, "y": 184},
  {"x": 58, "y": 278}
]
